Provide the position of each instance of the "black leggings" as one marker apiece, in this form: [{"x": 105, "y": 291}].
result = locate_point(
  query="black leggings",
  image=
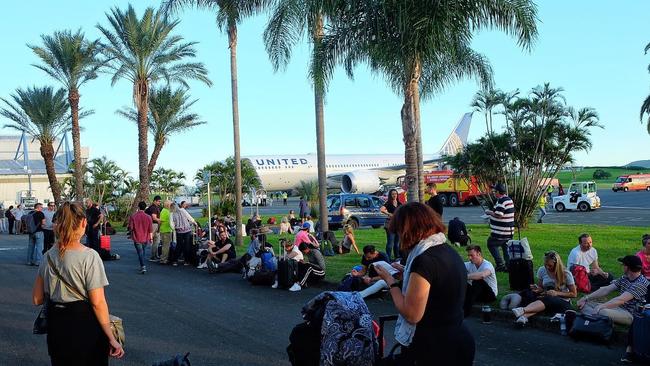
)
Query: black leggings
[
  {"x": 444, "y": 346},
  {"x": 74, "y": 336},
  {"x": 554, "y": 304}
]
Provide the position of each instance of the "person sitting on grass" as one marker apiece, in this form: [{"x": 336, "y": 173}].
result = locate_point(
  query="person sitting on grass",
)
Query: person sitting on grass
[
  {"x": 644, "y": 255},
  {"x": 555, "y": 288},
  {"x": 311, "y": 269},
  {"x": 370, "y": 278},
  {"x": 632, "y": 288},
  {"x": 585, "y": 255},
  {"x": 348, "y": 241},
  {"x": 304, "y": 236},
  {"x": 285, "y": 227},
  {"x": 481, "y": 279},
  {"x": 311, "y": 224}
]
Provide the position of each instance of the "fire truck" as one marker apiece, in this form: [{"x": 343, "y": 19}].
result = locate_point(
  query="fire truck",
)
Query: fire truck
[{"x": 453, "y": 189}]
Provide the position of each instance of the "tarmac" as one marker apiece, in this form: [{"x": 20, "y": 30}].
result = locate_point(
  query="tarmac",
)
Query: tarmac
[{"x": 222, "y": 320}]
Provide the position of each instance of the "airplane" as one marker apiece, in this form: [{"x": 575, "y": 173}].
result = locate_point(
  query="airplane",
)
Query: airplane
[{"x": 351, "y": 173}]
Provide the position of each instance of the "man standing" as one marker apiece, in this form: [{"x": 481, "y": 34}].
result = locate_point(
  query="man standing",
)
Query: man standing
[
  {"x": 304, "y": 208},
  {"x": 35, "y": 229},
  {"x": 632, "y": 288},
  {"x": 18, "y": 216},
  {"x": 166, "y": 231},
  {"x": 284, "y": 198},
  {"x": 585, "y": 255},
  {"x": 481, "y": 279},
  {"x": 141, "y": 227},
  {"x": 154, "y": 211},
  {"x": 502, "y": 226},
  {"x": 94, "y": 218},
  {"x": 434, "y": 200},
  {"x": 48, "y": 228}
]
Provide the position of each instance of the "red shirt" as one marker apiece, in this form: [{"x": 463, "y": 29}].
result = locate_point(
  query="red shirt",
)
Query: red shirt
[
  {"x": 141, "y": 228},
  {"x": 645, "y": 269}
]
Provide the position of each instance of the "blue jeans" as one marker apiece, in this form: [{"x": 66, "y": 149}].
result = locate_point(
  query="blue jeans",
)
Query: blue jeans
[
  {"x": 35, "y": 248},
  {"x": 392, "y": 245},
  {"x": 140, "y": 247}
]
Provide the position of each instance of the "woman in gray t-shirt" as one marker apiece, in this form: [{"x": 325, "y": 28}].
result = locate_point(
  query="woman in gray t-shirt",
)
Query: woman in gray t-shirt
[
  {"x": 555, "y": 288},
  {"x": 72, "y": 277}
]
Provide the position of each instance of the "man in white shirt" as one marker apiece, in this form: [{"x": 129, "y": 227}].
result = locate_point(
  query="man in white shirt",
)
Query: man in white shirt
[
  {"x": 585, "y": 255},
  {"x": 481, "y": 279}
]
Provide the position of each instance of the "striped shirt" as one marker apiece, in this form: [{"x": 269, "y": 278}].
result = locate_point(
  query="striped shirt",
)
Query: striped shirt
[
  {"x": 638, "y": 288},
  {"x": 502, "y": 224}
]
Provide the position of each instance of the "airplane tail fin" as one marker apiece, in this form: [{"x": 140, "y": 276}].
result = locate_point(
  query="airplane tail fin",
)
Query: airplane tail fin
[{"x": 458, "y": 138}]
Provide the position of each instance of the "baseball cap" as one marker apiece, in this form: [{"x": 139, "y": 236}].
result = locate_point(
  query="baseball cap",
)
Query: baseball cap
[
  {"x": 499, "y": 187},
  {"x": 358, "y": 268},
  {"x": 632, "y": 261},
  {"x": 305, "y": 226}
]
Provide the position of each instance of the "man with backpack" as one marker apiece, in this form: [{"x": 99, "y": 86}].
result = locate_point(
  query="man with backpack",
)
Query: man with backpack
[
  {"x": 34, "y": 224},
  {"x": 584, "y": 257}
]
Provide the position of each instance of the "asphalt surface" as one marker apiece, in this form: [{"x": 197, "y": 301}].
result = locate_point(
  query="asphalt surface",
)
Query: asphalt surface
[
  {"x": 222, "y": 320},
  {"x": 618, "y": 208}
]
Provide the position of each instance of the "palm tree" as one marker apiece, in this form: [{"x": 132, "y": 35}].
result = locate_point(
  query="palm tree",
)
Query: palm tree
[
  {"x": 168, "y": 114},
  {"x": 43, "y": 114},
  {"x": 72, "y": 60},
  {"x": 289, "y": 21},
  {"x": 229, "y": 14},
  {"x": 167, "y": 181},
  {"x": 106, "y": 177},
  {"x": 420, "y": 47},
  {"x": 144, "y": 51}
]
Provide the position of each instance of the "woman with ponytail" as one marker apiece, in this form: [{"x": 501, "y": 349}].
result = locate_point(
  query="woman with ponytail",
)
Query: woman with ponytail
[{"x": 72, "y": 277}]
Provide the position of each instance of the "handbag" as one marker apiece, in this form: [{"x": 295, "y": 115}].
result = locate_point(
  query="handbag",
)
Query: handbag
[
  {"x": 40, "y": 324},
  {"x": 595, "y": 328},
  {"x": 117, "y": 327}
]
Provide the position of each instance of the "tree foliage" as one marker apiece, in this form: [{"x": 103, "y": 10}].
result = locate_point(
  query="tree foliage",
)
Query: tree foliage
[
  {"x": 601, "y": 174},
  {"x": 166, "y": 181},
  {"x": 222, "y": 180},
  {"x": 540, "y": 135}
]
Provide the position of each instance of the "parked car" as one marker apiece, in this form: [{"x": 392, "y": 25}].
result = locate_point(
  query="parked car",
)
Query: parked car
[
  {"x": 582, "y": 196},
  {"x": 355, "y": 210}
]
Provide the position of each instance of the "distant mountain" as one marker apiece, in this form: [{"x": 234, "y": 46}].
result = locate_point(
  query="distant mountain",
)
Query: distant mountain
[{"x": 641, "y": 163}]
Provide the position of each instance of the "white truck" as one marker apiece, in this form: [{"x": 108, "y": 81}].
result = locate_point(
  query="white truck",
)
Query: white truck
[{"x": 581, "y": 196}]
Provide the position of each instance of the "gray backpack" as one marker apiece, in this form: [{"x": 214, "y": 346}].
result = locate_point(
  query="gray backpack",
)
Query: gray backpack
[{"x": 30, "y": 223}]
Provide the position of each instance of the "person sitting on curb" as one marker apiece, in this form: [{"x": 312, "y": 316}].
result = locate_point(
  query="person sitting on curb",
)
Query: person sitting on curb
[
  {"x": 632, "y": 288},
  {"x": 371, "y": 279},
  {"x": 586, "y": 255},
  {"x": 311, "y": 269},
  {"x": 293, "y": 253},
  {"x": 305, "y": 237},
  {"x": 481, "y": 279},
  {"x": 555, "y": 288},
  {"x": 219, "y": 251},
  {"x": 644, "y": 255}
]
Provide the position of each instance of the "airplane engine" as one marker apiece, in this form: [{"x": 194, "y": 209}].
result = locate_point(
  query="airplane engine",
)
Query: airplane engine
[{"x": 362, "y": 181}]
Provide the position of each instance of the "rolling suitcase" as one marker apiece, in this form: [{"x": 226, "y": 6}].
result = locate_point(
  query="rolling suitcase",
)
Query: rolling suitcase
[
  {"x": 640, "y": 335},
  {"x": 105, "y": 242},
  {"x": 520, "y": 266},
  {"x": 286, "y": 270}
]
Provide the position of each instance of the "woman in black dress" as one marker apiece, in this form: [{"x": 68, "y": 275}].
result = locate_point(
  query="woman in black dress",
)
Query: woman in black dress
[{"x": 430, "y": 304}]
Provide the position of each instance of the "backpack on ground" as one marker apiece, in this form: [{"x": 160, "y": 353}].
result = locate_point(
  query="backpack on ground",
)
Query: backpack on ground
[
  {"x": 520, "y": 274},
  {"x": 641, "y": 337},
  {"x": 350, "y": 283},
  {"x": 252, "y": 265},
  {"x": 177, "y": 360},
  {"x": 30, "y": 223},
  {"x": 581, "y": 278},
  {"x": 594, "y": 328}
]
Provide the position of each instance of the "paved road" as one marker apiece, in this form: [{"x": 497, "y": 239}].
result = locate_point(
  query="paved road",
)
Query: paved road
[
  {"x": 620, "y": 208},
  {"x": 222, "y": 320}
]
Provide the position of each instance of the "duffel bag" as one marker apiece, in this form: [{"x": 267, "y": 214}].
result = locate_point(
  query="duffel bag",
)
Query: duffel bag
[{"x": 594, "y": 328}]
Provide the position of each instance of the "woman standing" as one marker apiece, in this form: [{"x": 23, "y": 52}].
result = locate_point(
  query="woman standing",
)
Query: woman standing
[
  {"x": 79, "y": 331},
  {"x": 392, "y": 239},
  {"x": 18, "y": 216},
  {"x": 434, "y": 284}
]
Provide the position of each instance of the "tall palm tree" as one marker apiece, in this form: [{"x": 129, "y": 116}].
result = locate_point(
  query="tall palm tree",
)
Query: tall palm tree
[
  {"x": 229, "y": 14},
  {"x": 144, "y": 51},
  {"x": 289, "y": 21},
  {"x": 420, "y": 47},
  {"x": 43, "y": 114},
  {"x": 106, "y": 177},
  {"x": 168, "y": 114},
  {"x": 72, "y": 60}
]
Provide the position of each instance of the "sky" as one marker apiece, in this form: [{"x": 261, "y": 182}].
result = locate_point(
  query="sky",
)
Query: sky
[{"x": 593, "y": 49}]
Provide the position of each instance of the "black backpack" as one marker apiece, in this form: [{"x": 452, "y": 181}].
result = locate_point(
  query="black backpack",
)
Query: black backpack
[{"x": 305, "y": 338}]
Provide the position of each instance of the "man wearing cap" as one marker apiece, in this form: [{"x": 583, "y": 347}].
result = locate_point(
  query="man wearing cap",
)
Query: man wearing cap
[
  {"x": 633, "y": 288},
  {"x": 502, "y": 226},
  {"x": 304, "y": 236}
]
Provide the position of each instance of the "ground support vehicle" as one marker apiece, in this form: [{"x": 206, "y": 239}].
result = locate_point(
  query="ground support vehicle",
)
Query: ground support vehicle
[{"x": 581, "y": 196}]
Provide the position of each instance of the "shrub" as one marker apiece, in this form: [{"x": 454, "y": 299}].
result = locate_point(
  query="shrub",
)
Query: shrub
[{"x": 601, "y": 174}]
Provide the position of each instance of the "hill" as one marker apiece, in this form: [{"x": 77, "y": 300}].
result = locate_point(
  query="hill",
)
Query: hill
[{"x": 640, "y": 163}]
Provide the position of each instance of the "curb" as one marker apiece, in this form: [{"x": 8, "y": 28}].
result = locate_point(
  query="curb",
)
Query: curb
[{"x": 542, "y": 322}]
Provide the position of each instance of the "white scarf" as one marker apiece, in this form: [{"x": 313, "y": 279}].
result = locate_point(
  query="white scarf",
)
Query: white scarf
[{"x": 404, "y": 330}]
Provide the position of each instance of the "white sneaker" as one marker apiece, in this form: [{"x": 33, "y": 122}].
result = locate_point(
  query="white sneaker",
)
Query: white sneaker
[
  {"x": 295, "y": 287},
  {"x": 522, "y": 320},
  {"x": 275, "y": 284},
  {"x": 519, "y": 312},
  {"x": 202, "y": 265},
  {"x": 143, "y": 270}
]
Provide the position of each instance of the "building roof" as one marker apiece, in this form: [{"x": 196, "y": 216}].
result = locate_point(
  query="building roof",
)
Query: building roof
[{"x": 37, "y": 166}]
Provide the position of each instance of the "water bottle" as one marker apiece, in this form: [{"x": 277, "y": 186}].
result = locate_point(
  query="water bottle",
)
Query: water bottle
[
  {"x": 486, "y": 314},
  {"x": 563, "y": 326}
]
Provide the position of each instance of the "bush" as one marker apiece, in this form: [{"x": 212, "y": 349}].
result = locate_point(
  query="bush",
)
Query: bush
[{"x": 601, "y": 174}]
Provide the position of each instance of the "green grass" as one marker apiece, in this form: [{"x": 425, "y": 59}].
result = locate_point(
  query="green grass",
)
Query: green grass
[{"x": 587, "y": 174}]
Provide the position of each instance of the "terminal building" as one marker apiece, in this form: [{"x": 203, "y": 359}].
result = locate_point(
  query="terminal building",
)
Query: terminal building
[{"x": 21, "y": 163}]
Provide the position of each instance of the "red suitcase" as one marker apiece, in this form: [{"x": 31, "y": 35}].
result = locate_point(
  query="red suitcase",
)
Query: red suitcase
[{"x": 105, "y": 242}]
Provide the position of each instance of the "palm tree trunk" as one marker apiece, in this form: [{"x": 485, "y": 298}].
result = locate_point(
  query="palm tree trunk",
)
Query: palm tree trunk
[
  {"x": 410, "y": 132},
  {"x": 47, "y": 152},
  {"x": 73, "y": 99},
  {"x": 232, "y": 43},
  {"x": 141, "y": 91},
  {"x": 418, "y": 140},
  {"x": 157, "y": 148},
  {"x": 320, "y": 137}
]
